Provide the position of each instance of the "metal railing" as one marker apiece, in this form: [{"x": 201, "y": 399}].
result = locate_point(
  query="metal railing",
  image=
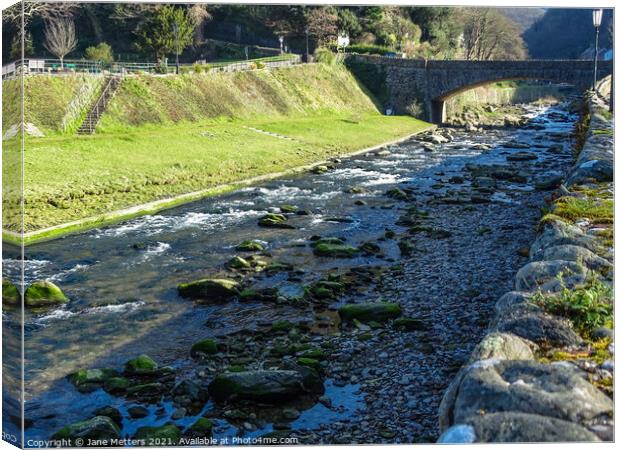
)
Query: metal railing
[{"x": 54, "y": 66}]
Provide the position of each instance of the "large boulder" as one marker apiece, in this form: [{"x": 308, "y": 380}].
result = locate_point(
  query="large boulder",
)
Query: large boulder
[
  {"x": 530, "y": 322},
  {"x": 503, "y": 346},
  {"x": 10, "y": 294},
  {"x": 558, "y": 232},
  {"x": 367, "y": 312},
  {"x": 210, "y": 289},
  {"x": 264, "y": 385},
  {"x": 515, "y": 427},
  {"x": 97, "y": 428},
  {"x": 44, "y": 293},
  {"x": 556, "y": 390},
  {"x": 335, "y": 248},
  {"x": 544, "y": 275},
  {"x": 511, "y": 299},
  {"x": 576, "y": 254}
]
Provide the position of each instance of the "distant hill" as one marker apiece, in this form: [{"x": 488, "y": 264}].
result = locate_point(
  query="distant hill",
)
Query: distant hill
[
  {"x": 524, "y": 17},
  {"x": 566, "y": 33}
]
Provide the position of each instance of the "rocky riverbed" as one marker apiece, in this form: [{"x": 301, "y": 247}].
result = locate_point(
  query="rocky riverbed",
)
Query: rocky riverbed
[{"x": 243, "y": 303}]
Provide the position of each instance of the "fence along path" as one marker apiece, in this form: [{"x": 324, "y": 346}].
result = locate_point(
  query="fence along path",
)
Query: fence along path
[{"x": 55, "y": 67}]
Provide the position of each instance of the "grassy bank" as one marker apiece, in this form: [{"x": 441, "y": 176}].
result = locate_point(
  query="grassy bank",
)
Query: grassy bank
[
  {"x": 168, "y": 140},
  {"x": 69, "y": 178}
]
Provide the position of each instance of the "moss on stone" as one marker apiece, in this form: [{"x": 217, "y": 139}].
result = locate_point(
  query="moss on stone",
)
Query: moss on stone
[
  {"x": 205, "y": 347},
  {"x": 202, "y": 426},
  {"x": 209, "y": 288},
  {"x": 250, "y": 246},
  {"x": 141, "y": 365},
  {"x": 44, "y": 293},
  {"x": 367, "y": 312},
  {"x": 161, "y": 436},
  {"x": 10, "y": 294},
  {"x": 335, "y": 250}
]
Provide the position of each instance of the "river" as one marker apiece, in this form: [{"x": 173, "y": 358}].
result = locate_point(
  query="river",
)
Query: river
[{"x": 122, "y": 282}]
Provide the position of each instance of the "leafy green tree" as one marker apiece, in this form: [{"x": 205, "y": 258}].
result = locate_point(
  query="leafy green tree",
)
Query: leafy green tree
[
  {"x": 16, "y": 46},
  {"x": 348, "y": 22},
  {"x": 157, "y": 34},
  {"x": 101, "y": 52}
]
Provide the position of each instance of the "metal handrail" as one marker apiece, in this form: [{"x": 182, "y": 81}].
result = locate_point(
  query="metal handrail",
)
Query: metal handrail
[{"x": 102, "y": 98}]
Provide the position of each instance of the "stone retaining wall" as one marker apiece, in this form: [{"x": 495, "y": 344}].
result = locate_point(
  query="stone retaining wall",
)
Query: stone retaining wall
[{"x": 509, "y": 393}]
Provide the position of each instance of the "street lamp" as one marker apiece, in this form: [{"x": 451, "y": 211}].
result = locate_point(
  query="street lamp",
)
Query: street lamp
[
  {"x": 597, "y": 18},
  {"x": 175, "y": 30},
  {"x": 281, "y": 39}
]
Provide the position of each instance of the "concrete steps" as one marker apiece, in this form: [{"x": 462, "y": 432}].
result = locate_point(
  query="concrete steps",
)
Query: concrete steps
[{"x": 96, "y": 111}]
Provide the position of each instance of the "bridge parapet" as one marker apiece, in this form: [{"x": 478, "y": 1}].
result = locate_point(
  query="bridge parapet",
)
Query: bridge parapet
[{"x": 431, "y": 82}]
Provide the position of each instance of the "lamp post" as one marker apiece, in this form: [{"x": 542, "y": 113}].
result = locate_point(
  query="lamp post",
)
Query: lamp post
[
  {"x": 281, "y": 39},
  {"x": 175, "y": 30},
  {"x": 307, "y": 30},
  {"x": 597, "y": 18}
]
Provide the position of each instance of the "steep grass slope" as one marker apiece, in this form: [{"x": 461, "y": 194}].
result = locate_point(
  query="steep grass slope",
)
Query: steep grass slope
[
  {"x": 293, "y": 91},
  {"x": 46, "y": 99}
]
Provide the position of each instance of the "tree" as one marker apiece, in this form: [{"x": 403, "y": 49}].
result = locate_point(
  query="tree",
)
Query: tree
[
  {"x": 101, "y": 52},
  {"x": 60, "y": 37},
  {"x": 488, "y": 34},
  {"x": 322, "y": 23},
  {"x": 157, "y": 34},
  {"x": 16, "y": 46},
  {"x": 348, "y": 22}
]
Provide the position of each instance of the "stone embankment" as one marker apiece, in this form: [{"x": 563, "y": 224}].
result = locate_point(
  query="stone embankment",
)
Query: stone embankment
[{"x": 544, "y": 371}]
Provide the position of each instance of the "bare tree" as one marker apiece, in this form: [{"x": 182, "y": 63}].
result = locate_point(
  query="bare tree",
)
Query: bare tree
[
  {"x": 34, "y": 8},
  {"x": 60, "y": 37},
  {"x": 488, "y": 34}
]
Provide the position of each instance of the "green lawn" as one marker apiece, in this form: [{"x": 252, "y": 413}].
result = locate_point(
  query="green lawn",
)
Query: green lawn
[{"x": 69, "y": 178}]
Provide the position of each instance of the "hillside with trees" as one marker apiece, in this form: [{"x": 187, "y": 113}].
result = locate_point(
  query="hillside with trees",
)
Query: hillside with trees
[
  {"x": 566, "y": 33},
  {"x": 146, "y": 32}
]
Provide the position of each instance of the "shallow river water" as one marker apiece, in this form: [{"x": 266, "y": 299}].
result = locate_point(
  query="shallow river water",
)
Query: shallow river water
[{"x": 122, "y": 280}]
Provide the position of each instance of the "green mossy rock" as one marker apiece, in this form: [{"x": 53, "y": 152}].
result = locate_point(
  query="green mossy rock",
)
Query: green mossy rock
[
  {"x": 44, "y": 293},
  {"x": 204, "y": 347},
  {"x": 397, "y": 194},
  {"x": 282, "y": 325},
  {"x": 142, "y": 365},
  {"x": 112, "y": 413},
  {"x": 10, "y": 294},
  {"x": 92, "y": 376},
  {"x": 164, "y": 435},
  {"x": 210, "y": 288},
  {"x": 97, "y": 428},
  {"x": 274, "y": 221},
  {"x": 202, "y": 427},
  {"x": 335, "y": 250},
  {"x": 116, "y": 384},
  {"x": 314, "y": 353},
  {"x": 308, "y": 362},
  {"x": 288, "y": 209},
  {"x": 409, "y": 324},
  {"x": 250, "y": 246},
  {"x": 237, "y": 262},
  {"x": 367, "y": 312}
]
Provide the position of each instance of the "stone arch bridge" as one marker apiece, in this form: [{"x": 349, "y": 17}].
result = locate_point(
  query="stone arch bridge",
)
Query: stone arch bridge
[{"x": 431, "y": 83}]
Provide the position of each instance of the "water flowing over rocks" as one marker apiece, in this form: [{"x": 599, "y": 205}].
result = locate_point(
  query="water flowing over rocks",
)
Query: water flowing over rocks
[{"x": 338, "y": 306}]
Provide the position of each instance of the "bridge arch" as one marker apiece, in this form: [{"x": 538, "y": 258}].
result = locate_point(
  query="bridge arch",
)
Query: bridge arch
[
  {"x": 410, "y": 81},
  {"x": 438, "y": 104}
]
